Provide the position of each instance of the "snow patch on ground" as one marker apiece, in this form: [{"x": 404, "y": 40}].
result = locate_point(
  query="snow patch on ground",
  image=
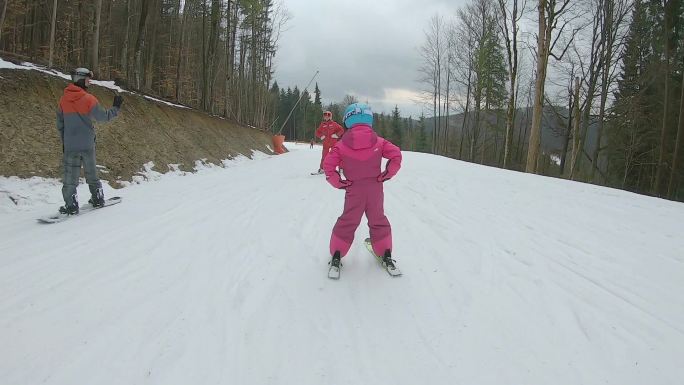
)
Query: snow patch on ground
[
  {"x": 165, "y": 102},
  {"x": 20, "y": 194},
  {"x": 17, "y": 194}
]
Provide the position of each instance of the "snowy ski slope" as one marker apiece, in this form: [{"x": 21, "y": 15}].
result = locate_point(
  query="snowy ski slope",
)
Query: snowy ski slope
[{"x": 219, "y": 277}]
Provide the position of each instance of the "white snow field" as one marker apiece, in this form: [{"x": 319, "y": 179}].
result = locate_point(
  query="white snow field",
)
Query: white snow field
[{"x": 219, "y": 277}]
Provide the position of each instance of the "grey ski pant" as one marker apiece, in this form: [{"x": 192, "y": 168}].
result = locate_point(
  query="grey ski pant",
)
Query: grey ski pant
[{"x": 72, "y": 171}]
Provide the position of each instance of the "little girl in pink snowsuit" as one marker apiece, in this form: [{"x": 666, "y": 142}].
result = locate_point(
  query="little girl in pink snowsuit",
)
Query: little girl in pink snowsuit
[{"x": 361, "y": 151}]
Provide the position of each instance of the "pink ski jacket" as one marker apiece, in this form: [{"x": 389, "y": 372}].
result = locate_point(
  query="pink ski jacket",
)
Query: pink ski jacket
[{"x": 361, "y": 151}]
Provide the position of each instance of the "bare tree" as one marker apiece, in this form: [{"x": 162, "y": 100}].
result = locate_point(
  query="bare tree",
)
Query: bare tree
[
  {"x": 140, "y": 41},
  {"x": 2, "y": 17},
  {"x": 432, "y": 52},
  {"x": 670, "y": 8},
  {"x": 510, "y": 34},
  {"x": 678, "y": 145},
  {"x": 550, "y": 13},
  {"x": 127, "y": 32},
  {"x": 591, "y": 72},
  {"x": 52, "y": 29},
  {"x": 576, "y": 134},
  {"x": 614, "y": 20},
  {"x": 463, "y": 54},
  {"x": 96, "y": 39}
]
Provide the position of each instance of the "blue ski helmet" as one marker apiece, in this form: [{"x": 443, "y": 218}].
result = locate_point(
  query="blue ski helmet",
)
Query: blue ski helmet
[{"x": 358, "y": 113}]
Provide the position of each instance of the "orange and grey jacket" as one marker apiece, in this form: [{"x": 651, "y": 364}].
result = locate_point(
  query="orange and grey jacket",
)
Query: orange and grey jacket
[{"x": 75, "y": 115}]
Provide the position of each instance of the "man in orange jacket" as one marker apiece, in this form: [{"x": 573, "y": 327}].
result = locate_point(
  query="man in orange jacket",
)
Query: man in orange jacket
[
  {"x": 75, "y": 115},
  {"x": 329, "y": 132}
]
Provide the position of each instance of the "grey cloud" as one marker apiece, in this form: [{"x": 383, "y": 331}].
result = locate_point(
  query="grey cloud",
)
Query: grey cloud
[{"x": 363, "y": 48}]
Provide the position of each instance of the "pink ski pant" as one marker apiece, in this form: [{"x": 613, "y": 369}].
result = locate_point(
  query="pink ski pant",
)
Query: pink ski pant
[{"x": 363, "y": 196}]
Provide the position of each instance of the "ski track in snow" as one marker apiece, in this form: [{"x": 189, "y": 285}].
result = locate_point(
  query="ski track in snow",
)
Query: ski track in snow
[{"x": 219, "y": 277}]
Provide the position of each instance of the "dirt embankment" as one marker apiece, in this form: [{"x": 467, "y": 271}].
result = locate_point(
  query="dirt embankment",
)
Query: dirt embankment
[{"x": 144, "y": 131}]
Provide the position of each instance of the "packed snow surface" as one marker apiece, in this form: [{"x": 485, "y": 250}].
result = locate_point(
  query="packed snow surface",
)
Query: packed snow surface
[{"x": 219, "y": 277}]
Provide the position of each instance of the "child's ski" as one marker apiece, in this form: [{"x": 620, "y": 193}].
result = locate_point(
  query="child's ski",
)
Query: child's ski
[{"x": 387, "y": 262}]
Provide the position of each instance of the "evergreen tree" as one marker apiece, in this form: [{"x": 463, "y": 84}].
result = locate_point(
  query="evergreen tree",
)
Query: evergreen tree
[
  {"x": 635, "y": 123},
  {"x": 422, "y": 144},
  {"x": 396, "y": 127}
]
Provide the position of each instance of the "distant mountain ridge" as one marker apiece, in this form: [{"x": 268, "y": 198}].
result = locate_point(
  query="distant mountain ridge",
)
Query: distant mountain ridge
[{"x": 554, "y": 126}]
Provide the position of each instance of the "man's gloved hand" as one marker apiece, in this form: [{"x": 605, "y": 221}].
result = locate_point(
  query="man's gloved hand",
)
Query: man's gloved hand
[
  {"x": 118, "y": 100},
  {"x": 334, "y": 136},
  {"x": 322, "y": 137}
]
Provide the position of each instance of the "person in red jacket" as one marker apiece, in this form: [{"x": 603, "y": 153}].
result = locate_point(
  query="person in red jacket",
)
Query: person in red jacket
[
  {"x": 329, "y": 132},
  {"x": 76, "y": 113}
]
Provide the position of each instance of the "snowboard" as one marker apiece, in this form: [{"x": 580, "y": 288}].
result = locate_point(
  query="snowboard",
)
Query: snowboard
[
  {"x": 59, "y": 217},
  {"x": 394, "y": 272}
]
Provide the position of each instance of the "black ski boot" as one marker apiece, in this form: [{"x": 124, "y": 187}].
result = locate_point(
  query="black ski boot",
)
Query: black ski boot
[
  {"x": 97, "y": 197},
  {"x": 70, "y": 209},
  {"x": 334, "y": 271},
  {"x": 336, "y": 258},
  {"x": 387, "y": 260}
]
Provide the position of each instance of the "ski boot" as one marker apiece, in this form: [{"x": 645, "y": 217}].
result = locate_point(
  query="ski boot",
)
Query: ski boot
[
  {"x": 70, "y": 208},
  {"x": 334, "y": 271},
  {"x": 97, "y": 199},
  {"x": 388, "y": 264}
]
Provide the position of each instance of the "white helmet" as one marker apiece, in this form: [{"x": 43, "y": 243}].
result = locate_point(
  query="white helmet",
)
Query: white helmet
[{"x": 81, "y": 73}]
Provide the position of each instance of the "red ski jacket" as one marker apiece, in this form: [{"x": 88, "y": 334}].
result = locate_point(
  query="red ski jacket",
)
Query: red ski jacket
[{"x": 330, "y": 132}]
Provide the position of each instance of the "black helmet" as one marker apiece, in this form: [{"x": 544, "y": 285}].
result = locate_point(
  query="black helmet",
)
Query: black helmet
[{"x": 81, "y": 74}]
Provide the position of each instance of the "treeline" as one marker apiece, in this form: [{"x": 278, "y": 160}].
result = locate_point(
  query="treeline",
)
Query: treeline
[
  {"x": 214, "y": 55},
  {"x": 408, "y": 133},
  {"x": 616, "y": 73}
]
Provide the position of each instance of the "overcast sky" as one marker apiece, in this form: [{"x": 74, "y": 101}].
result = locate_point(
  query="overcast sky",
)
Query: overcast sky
[{"x": 366, "y": 48}]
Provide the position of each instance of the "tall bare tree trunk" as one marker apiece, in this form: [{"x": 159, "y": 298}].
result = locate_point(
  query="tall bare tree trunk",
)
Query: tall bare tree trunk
[
  {"x": 124, "y": 50},
  {"x": 439, "y": 102},
  {"x": 96, "y": 39},
  {"x": 566, "y": 137},
  {"x": 140, "y": 42},
  {"x": 678, "y": 146},
  {"x": 2, "y": 17},
  {"x": 464, "y": 126},
  {"x": 476, "y": 123},
  {"x": 434, "y": 118},
  {"x": 661, "y": 165},
  {"x": 543, "y": 44},
  {"x": 53, "y": 26},
  {"x": 512, "y": 56},
  {"x": 229, "y": 60},
  {"x": 181, "y": 41},
  {"x": 109, "y": 64},
  {"x": 446, "y": 107},
  {"x": 210, "y": 53},
  {"x": 607, "y": 37},
  {"x": 576, "y": 142}
]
